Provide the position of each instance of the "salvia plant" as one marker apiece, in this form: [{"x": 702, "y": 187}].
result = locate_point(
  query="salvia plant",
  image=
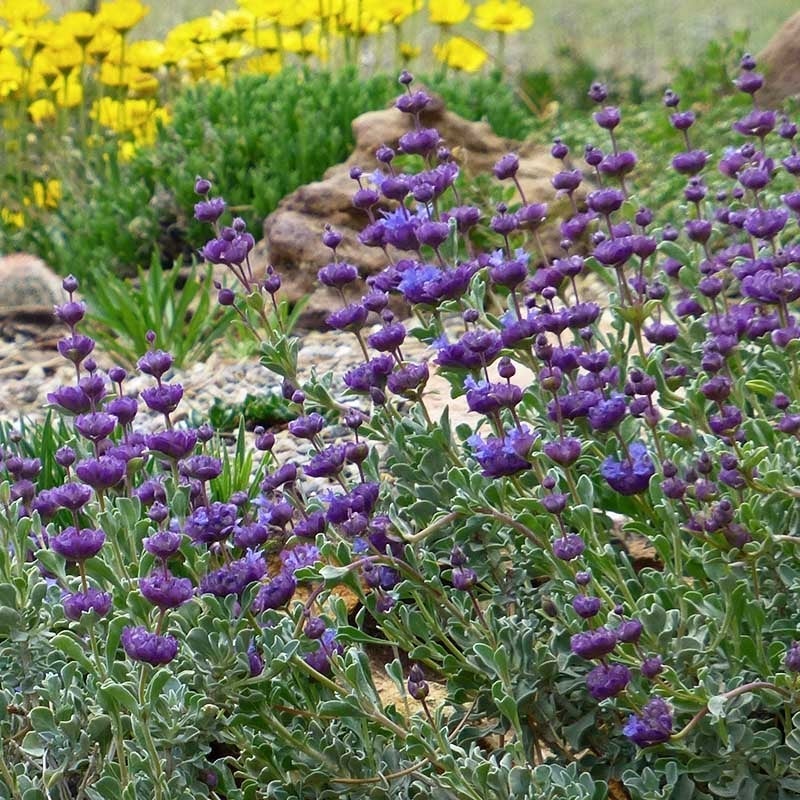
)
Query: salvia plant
[{"x": 180, "y": 619}]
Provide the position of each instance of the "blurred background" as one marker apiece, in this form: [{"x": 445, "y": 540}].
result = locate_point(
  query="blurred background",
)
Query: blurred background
[{"x": 626, "y": 36}]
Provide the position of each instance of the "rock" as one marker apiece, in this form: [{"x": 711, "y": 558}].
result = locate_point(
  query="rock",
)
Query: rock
[
  {"x": 292, "y": 240},
  {"x": 27, "y": 282},
  {"x": 780, "y": 63}
]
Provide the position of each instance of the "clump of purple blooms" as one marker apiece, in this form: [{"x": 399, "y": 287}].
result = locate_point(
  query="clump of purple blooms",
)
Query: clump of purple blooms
[{"x": 665, "y": 408}]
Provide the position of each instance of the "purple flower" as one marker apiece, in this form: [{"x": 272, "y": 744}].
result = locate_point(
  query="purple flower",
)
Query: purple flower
[
  {"x": 475, "y": 348},
  {"x": 466, "y": 217},
  {"x": 165, "y": 590},
  {"x": 163, "y": 544},
  {"x": 629, "y": 631},
  {"x": 617, "y": 164},
  {"x": 586, "y": 606},
  {"x": 211, "y": 523},
  {"x": 101, "y": 473},
  {"x": 251, "y": 535},
  {"x": 209, "y": 210},
  {"x": 564, "y": 451},
  {"x": 349, "y": 318},
  {"x": 164, "y": 398},
  {"x": 652, "y": 666},
  {"x": 433, "y": 234},
  {"x": 309, "y": 527},
  {"x": 151, "y": 648},
  {"x": 690, "y": 162},
  {"x": 202, "y": 468},
  {"x": 307, "y": 427},
  {"x": 302, "y": 555},
  {"x": 70, "y": 398},
  {"x": 499, "y": 457},
  {"x": 632, "y": 475},
  {"x": 337, "y": 274},
  {"x": 95, "y": 425},
  {"x": 320, "y": 658},
  {"x": 173, "y": 444},
  {"x": 70, "y": 313},
  {"x": 765, "y": 223},
  {"x": 506, "y": 167},
  {"x": 72, "y": 496},
  {"x": 408, "y": 379},
  {"x": 607, "y": 680},
  {"x": 607, "y": 118},
  {"x": 464, "y": 578},
  {"x": 235, "y": 577},
  {"x": 569, "y": 547},
  {"x": 283, "y": 475},
  {"x": 254, "y": 660},
  {"x": 75, "y": 348},
  {"x": 278, "y": 592},
  {"x": 123, "y": 408},
  {"x": 155, "y": 363},
  {"x": 607, "y": 414},
  {"x": 78, "y": 603},
  {"x": 792, "y": 660},
  {"x": 605, "y": 201},
  {"x": 78, "y": 545},
  {"x": 369, "y": 375},
  {"x": 326, "y": 463},
  {"x": 652, "y": 726},
  {"x": 388, "y": 338},
  {"x": 594, "y": 644},
  {"x": 756, "y": 123},
  {"x": 419, "y": 142}
]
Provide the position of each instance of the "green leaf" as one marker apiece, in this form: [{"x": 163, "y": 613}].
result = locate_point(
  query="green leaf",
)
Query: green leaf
[
  {"x": 71, "y": 647},
  {"x": 115, "y": 694}
]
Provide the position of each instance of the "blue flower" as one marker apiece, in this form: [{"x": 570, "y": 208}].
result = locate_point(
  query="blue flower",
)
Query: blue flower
[
  {"x": 632, "y": 475},
  {"x": 652, "y": 726}
]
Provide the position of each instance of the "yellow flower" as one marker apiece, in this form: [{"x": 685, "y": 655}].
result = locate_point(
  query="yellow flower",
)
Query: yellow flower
[
  {"x": 201, "y": 67},
  {"x": 359, "y": 18},
  {"x": 122, "y": 15},
  {"x": 102, "y": 44},
  {"x": 46, "y": 195},
  {"x": 266, "y": 64},
  {"x": 394, "y": 12},
  {"x": 126, "y": 151},
  {"x": 262, "y": 9},
  {"x": 15, "y": 219},
  {"x": 70, "y": 96},
  {"x": 110, "y": 74},
  {"x": 193, "y": 31},
  {"x": 224, "y": 53},
  {"x": 298, "y": 13},
  {"x": 16, "y": 11},
  {"x": 264, "y": 39},
  {"x": 44, "y": 68},
  {"x": 409, "y": 51},
  {"x": 504, "y": 16},
  {"x": 461, "y": 54},
  {"x": 231, "y": 23},
  {"x": 146, "y": 54},
  {"x": 143, "y": 84},
  {"x": 81, "y": 25},
  {"x": 65, "y": 58},
  {"x": 11, "y": 74},
  {"x": 41, "y": 110},
  {"x": 448, "y": 12}
]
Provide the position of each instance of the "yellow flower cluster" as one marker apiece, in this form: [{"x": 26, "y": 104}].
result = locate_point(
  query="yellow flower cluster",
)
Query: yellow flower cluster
[{"x": 85, "y": 74}]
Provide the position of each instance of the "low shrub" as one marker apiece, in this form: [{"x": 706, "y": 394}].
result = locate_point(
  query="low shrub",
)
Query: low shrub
[{"x": 175, "y": 616}]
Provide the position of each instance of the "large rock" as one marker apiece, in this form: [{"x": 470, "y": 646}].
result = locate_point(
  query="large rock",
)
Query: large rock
[
  {"x": 26, "y": 282},
  {"x": 780, "y": 62},
  {"x": 292, "y": 240}
]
